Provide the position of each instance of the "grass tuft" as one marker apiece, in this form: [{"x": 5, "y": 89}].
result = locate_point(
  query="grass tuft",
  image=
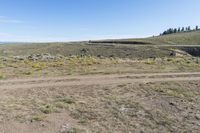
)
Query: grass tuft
[
  {"x": 38, "y": 117},
  {"x": 68, "y": 100}
]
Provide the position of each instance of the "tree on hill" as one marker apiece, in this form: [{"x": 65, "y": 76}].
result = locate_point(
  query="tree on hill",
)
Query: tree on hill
[
  {"x": 189, "y": 29},
  {"x": 178, "y": 30},
  {"x": 183, "y": 29},
  {"x": 197, "y": 27},
  {"x": 175, "y": 30}
]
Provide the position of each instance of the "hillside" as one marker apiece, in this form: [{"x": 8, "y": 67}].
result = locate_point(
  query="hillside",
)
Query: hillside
[
  {"x": 152, "y": 84},
  {"x": 188, "y": 38},
  {"x": 185, "y": 38},
  {"x": 160, "y": 46}
]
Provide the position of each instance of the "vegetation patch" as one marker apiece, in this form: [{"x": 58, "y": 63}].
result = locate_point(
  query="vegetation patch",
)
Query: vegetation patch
[
  {"x": 150, "y": 61},
  {"x": 66, "y": 99},
  {"x": 47, "y": 109},
  {"x": 175, "y": 90},
  {"x": 1, "y": 76},
  {"x": 38, "y": 117}
]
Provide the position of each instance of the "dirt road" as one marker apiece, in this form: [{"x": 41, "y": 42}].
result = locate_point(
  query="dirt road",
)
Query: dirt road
[
  {"x": 97, "y": 80},
  {"x": 104, "y": 103}
]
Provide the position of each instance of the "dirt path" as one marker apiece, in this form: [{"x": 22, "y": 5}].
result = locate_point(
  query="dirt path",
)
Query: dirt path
[
  {"x": 96, "y": 80},
  {"x": 102, "y": 101}
]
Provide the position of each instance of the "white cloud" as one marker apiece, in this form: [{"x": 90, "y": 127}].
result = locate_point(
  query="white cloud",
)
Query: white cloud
[{"x": 4, "y": 19}]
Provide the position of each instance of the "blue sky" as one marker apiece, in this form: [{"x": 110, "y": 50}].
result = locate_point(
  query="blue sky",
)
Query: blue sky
[{"x": 69, "y": 20}]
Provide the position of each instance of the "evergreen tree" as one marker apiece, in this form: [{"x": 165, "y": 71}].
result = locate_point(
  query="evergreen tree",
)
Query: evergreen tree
[
  {"x": 197, "y": 27},
  {"x": 189, "y": 29},
  {"x": 183, "y": 29},
  {"x": 171, "y": 30},
  {"x": 175, "y": 30},
  {"x": 179, "y": 29}
]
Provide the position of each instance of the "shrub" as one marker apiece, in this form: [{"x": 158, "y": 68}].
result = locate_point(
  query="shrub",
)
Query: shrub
[
  {"x": 27, "y": 73},
  {"x": 1, "y": 76},
  {"x": 38, "y": 117},
  {"x": 150, "y": 62},
  {"x": 48, "y": 109},
  {"x": 68, "y": 100}
]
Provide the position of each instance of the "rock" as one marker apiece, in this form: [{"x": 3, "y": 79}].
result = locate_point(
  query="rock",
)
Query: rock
[
  {"x": 60, "y": 57},
  {"x": 5, "y": 59},
  {"x": 44, "y": 57},
  {"x": 66, "y": 128},
  {"x": 123, "y": 109},
  {"x": 21, "y": 58},
  {"x": 172, "y": 104},
  {"x": 197, "y": 116},
  {"x": 173, "y": 53},
  {"x": 84, "y": 52},
  {"x": 32, "y": 57}
]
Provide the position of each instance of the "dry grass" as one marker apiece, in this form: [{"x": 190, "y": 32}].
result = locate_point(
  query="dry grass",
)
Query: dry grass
[
  {"x": 124, "y": 107},
  {"x": 76, "y": 65}
]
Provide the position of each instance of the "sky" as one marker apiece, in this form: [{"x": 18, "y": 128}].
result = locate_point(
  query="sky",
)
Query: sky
[{"x": 75, "y": 20}]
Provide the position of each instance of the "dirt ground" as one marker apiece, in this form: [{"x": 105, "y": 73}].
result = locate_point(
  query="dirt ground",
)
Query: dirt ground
[{"x": 153, "y": 102}]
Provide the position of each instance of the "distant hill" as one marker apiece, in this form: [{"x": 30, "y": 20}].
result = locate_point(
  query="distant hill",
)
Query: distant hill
[
  {"x": 2, "y": 43},
  {"x": 11, "y": 42},
  {"x": 159, "y": 46},
  {"x": 185, "y": 38}
]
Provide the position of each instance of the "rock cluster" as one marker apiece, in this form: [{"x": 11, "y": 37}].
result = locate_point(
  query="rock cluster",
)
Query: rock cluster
[
  {"x": 173, "y": 53},
  {"x": 43, "y": 57}
]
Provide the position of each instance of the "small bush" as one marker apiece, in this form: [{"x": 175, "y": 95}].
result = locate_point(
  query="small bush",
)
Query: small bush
[
  {"x": 1, "y": 76},
  {"x": 39, "y": 65},
  {"x": 60, "y": 105},
  {"x": 68, "y": 100},
  {"x": 36, "y": 65},
  {"x": 39, "y": 117},
  {"x": 27, "y": 73},
  {"x": 48, "y": 109},
  {"x": 150, "y": 62},
  {"x": 72, "y": 130}
]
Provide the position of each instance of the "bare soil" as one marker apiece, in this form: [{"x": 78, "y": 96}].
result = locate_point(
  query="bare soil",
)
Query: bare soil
[{"x": 153, "y": 102}]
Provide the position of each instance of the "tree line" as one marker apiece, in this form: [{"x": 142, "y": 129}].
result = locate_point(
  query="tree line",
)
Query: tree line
[{"x": 178, "y": 30}]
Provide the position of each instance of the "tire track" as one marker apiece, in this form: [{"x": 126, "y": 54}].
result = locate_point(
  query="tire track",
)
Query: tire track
[{"x": 96, "y": 80}]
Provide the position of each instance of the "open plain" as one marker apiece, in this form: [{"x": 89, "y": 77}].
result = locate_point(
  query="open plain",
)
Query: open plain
[{"x": 101, "y": 86}]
